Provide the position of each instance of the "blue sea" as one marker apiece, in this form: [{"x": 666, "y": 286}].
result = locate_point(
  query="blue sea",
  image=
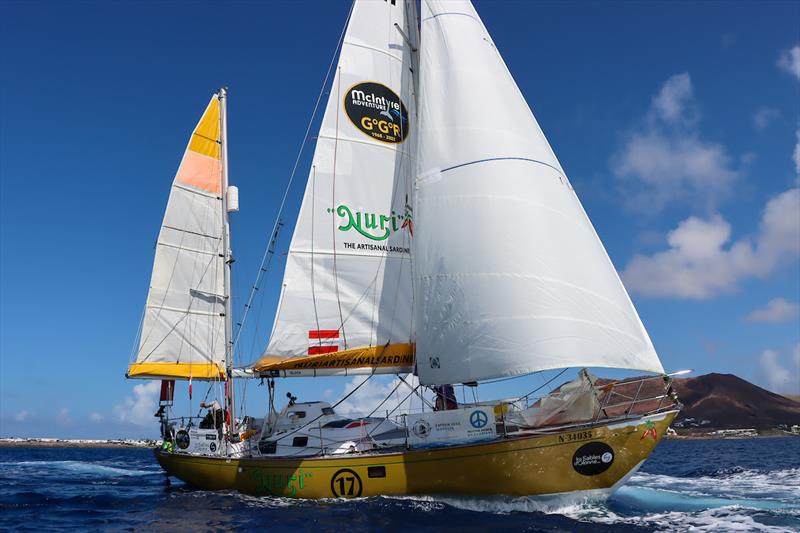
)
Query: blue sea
[{"x": 701, "y": 485}]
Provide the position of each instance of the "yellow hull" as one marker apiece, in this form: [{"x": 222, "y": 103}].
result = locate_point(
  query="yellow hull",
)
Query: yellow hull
[{"x": 576, "y": 460}]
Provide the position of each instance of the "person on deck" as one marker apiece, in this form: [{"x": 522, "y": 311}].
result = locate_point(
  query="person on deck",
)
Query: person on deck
[
  {"x": 445, "y": 398},
  {"x": 214, "y": 417}
]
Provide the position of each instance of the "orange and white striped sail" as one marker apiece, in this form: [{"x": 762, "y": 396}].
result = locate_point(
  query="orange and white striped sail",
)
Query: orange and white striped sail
[{"x": 183, "y": 329}]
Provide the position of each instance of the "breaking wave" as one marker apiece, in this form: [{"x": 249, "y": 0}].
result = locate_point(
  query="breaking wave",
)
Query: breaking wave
[{"x": 728, "y": 500}]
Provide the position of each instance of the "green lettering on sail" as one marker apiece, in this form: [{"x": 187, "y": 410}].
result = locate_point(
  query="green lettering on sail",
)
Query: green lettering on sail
[{"x": 373, "y": 226}]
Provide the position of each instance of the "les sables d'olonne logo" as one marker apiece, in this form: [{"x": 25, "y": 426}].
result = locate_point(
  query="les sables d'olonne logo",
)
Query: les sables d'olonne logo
[
  {"x": 377, "y": 111},
  {"x": 374, "y": 226}
]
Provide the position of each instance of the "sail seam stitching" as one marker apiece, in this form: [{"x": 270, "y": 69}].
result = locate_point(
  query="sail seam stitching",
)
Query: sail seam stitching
[{"x": 192, "y": 232}]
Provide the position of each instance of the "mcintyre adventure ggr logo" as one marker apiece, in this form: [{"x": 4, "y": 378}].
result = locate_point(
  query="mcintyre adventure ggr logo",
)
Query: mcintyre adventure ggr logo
[{"x": 377, "y": 111}]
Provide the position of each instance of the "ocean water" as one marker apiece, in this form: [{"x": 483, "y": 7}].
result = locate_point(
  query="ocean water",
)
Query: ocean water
[{"x": 708, "y": 485}]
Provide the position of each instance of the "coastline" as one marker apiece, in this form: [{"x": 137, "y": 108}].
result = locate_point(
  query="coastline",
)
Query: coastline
[
  {"x": 77, "y": 443},
  {"x": 706, "y": 435}
]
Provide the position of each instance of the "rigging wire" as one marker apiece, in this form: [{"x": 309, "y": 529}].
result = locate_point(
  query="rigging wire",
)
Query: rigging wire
[
  {"x": 399, "y": 382},
  {"x": 542, "y": 385}
]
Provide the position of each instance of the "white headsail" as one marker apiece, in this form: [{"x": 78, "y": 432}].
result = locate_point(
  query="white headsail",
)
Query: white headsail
[
  {"x": 346, "y": 294},
  {"x": 510, "y": 276},
  {"x": 183, "y": 329}
]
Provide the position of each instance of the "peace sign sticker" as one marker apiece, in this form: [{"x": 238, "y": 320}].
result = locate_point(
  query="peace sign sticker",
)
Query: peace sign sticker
[{"x": 478, "y": 419}]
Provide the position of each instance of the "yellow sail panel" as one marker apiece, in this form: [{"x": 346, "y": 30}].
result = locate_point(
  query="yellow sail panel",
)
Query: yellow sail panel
[
  {"x": 206, "y": 136},
  {"x": 210, "y": 371},
  {"x": 392, "y": 355}
]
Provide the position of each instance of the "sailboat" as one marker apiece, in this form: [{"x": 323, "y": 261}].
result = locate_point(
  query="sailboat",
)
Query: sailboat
[{"x": 439, "y": 240}]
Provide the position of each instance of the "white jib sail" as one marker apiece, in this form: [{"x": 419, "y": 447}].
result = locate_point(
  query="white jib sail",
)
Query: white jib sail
[
  {"x": 183, "y": 329},
  {"x": 347, "y": 283},
  {"x": 510, "y": 276}
]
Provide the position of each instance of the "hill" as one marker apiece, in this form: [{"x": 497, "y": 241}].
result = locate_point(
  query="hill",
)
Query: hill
[{"x": 728, "y": 401}]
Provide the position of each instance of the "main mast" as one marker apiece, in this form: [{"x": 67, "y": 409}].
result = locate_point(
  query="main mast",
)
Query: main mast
[{"x": 226, "y": 247}]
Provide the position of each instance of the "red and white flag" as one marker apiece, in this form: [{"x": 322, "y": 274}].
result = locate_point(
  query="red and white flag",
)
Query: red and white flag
[{"x": 323, "y": 341}]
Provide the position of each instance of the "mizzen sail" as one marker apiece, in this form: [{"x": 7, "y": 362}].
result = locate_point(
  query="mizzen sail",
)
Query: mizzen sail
[
  {"x": 346, "y": 290},
  {"x": 183, "y": 329},
  {"x": 510, "y": 276}
]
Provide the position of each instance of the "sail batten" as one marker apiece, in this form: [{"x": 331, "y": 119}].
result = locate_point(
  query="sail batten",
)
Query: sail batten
[{"x": 510, "y": 275}]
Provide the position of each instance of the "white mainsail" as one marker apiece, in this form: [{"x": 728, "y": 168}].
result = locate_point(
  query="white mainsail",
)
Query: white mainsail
[
  {"x": 183, "y": 329},
  {"x": 510, "y": 276},
  {"x": 346, "y": 294}
]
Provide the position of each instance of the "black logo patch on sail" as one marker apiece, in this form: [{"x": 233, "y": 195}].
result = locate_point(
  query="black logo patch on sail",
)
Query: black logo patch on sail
[
  {"x": 593, "y": 458},
  {"x": 377, "y": 111}
]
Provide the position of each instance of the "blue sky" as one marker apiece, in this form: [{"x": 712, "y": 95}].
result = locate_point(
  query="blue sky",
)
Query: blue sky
[{"x": 676, "y": 122}]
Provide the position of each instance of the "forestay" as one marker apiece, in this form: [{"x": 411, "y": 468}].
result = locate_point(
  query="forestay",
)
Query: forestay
[
  {"x": 346, "y": 295},
  {"x": 510, "y": 276},
  {"x": 183, "y": 331}
]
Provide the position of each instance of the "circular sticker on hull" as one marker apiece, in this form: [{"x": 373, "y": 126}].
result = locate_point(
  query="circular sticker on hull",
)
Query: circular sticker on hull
[
  {"x": 421, "y": 429},
  {"x": 593, "y": 458},
  {"x": 182, "y": 439},
  {"x": 377, "y": 112},
  {"x": 345, "y": 483}
]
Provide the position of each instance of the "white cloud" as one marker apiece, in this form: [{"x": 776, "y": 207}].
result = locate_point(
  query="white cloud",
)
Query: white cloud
[
  {"x": 796, "y": 155},
  {"x": 666, "y": 160},
  {"x": 63, "y": 417},
  {"x": 675, "y": 97},
  {"x": 700, "y": 264},
  {"x": 764, "y": 116},
  {"x": 369, "y": 396},
  {"x": 789, "y": 61},
  {"x": 95, "y": 417},
  {"x": 779, "y": 377},
  {"x": 22, "y": 416},
  {"x": 139, "y": 409},
  {"x": 776, "y": 310}
]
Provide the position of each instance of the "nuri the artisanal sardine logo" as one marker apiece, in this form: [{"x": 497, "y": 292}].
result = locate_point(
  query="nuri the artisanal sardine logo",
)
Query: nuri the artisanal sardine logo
[
  {"x": 373, "y": 226},
  {"x": 377, "y": 111}
]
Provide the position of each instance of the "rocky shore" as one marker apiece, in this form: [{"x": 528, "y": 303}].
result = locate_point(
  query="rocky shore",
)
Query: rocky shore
[{"x": 79, "y": 443}]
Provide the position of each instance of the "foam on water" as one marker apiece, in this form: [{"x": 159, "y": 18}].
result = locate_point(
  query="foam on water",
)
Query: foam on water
[
  {"x": 733, "y": 518},
  {"x": 729, "y": 502},
  {"x": 779, "y": 486},
  {"x": 77, "y": 467}
]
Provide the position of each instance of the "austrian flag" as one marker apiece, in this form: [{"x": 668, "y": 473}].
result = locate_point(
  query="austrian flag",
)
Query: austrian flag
[{"x": 326, "y": 341}]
